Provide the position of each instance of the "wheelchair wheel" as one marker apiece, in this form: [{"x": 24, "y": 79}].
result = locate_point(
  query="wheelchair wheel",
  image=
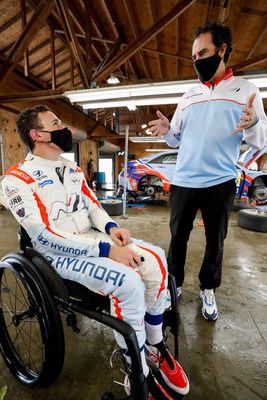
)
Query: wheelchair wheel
[{"x": 31, "y": 332}]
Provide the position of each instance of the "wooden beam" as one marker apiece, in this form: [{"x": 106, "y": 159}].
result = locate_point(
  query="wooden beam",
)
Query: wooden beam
[
  {"x": 133, "y": 24},
  {"x": 12, "y": 21},
  {"x": 72, "y": 41},
  {"x": 109, "y": 55},
  {"x": 53, "y": 60},
  {"x": 152, "y": 8},
  {"x": 23, "y": 24},
  {"x": 257, "y": 42},
  {"x": 148, "y": 50},
  {"x": 36, "y": 95},
  {"x": 37, "y": 20},
  {"x": 249, "y": 63},
  {"x": 43, "y": 60},
  {"x": 88, "y": 39},
  {"x": 137, "y": 44},
  {"x": 99, "y": 121}
]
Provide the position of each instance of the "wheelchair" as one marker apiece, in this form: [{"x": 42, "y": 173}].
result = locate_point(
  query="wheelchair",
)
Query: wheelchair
[{"x": 32, "y": 296}]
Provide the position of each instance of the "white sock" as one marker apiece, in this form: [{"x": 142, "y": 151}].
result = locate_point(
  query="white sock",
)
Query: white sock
[
  {"x": 153, "y": 333},
  {"x": 144, "y": 364},
  {"x": 143, "y": 361}
]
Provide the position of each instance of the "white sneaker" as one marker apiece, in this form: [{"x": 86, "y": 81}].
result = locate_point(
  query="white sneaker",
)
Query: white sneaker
[
  {"x": 168, "y": 304},
  {"x": 209, "y": 308}
]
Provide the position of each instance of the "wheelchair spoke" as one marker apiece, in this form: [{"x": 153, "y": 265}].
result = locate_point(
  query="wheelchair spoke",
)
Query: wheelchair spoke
[{"x": 21, "y": 320}]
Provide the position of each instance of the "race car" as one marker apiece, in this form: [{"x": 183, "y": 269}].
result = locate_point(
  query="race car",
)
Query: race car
[
  {"x": 149, "y": 175},
  {"x": 153, "y": 174},
  {"x": 252, "y": 182}
]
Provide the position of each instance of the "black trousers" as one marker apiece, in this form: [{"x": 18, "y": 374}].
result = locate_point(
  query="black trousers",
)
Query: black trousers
[{"x": 215, "y": 203}]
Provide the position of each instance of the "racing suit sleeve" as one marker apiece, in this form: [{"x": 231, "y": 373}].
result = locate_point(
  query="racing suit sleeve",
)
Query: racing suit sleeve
[
  {"x": 31, "y": 213},
  {"x": 99, "y": 217},
  {"x": 173, "y": 137},
  {"x": 256, "y": 136}
]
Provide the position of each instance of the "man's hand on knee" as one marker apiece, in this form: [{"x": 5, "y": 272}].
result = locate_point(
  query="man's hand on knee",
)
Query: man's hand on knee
[
  {"x": 125, "y": 256},
  {"x": 120, "y": 236}
]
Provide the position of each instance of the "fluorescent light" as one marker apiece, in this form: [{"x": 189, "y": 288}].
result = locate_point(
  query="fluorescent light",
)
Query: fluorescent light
[
  {"x": 113, "y": 80},
  {"x": 140, "y": 101},
  {"x": 258, "y": 80},
  {"x": 131, "y": 107},
  {"x": 143, "y": 126},
  {"x": 144, "y": 139},
  {"x": 147, "y": 132},
  {"x": 144, "y": 94},
  {"x": 158, "y": 150}
]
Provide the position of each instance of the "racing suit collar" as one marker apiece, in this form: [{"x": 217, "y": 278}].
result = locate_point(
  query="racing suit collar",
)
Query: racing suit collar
[
  {"x": 228, "y": 75},
  {"x": 44, "y": 162}
]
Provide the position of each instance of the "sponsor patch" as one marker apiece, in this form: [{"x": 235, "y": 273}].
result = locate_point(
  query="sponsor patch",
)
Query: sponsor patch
[
  {"x": 10, "y": 192},
  {"x": 44, "y": 183},
  {"x": 15, "y": 201},
  {"x": 21, "y": 212},
  {"x": 37, "y": 173},
  {"x": 43, "y": 241}
]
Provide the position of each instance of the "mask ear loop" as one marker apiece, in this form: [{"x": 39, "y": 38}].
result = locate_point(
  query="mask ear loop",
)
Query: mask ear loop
[{"x": 50, "y": 141}]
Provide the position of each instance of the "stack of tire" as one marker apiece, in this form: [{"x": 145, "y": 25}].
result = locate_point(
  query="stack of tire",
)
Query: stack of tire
[{"x": 253, "y": 219}]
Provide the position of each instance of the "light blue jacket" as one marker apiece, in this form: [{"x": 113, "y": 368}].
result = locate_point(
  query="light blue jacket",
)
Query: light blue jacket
[{"x": 202, "y": 126}]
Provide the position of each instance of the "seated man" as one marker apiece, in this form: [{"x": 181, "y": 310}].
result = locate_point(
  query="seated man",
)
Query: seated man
[{"x": 49, "y": 197}]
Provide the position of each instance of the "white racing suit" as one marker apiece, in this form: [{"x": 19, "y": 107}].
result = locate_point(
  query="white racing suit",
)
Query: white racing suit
[{"x": 67, "y": 225}]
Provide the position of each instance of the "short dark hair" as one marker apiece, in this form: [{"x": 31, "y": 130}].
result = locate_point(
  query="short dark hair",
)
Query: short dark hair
[
  {"x": 27, "y": 120},
  {"x": 220, "y": 34}
]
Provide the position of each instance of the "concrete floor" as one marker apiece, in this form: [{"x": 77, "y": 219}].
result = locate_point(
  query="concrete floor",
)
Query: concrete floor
[{"x": 226, "y": 359}]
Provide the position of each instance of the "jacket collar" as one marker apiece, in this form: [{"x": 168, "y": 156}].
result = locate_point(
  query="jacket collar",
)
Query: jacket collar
[{"x": 228, "y": 75}]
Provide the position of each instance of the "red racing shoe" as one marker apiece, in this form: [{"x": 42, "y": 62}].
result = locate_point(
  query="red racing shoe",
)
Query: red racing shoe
[
  {"x": 156, "y": 391},
  {"x": 170, "y": 369}
]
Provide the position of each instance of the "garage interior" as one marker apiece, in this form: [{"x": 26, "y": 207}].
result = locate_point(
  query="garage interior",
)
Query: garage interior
[{"x": 50, "y": 47}]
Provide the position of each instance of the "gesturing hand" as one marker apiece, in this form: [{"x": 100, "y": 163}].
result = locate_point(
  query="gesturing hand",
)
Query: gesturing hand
[
  {"x": 125, "y": 256},
  {"x": 159, "y": 126},
  {"x": 249, "y": 117}
]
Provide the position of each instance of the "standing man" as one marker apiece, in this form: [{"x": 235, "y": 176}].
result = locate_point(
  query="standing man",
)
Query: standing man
[
  {"x": 209, "y": 124},
  {"x": 49, "y": 197}
]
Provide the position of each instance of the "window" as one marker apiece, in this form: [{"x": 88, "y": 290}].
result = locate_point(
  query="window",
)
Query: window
[
  {"x": 73, "y": 155},
  {"x": 165, "y": 159}
]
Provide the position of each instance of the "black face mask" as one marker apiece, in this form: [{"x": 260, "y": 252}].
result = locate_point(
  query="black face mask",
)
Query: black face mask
[
  {"x": 62, "y": 138},
  {"x": 207, "y": 67}
]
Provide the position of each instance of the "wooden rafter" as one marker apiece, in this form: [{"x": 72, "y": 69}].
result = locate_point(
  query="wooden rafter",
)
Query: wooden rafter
[
  {"x": 152, "y": 7},
  {"x": 36, "y": 95},
  {"x": 257, "y": 42},
  {"x": 113, "y": 50},
  {"x": 177, "y": 10},
  {"x": 53, "y": 61},
  {"x": 88, "y": 39},
  {"x": 24, "y": 23},
  {"x": 102, "y": 118},
  {"x": 131, "y": 18},
  {"x": 72, "y": 41},
  {"x": 37, "y": 20},
  {"x": 249, "y": 63},
  {"x": 97, "y": 22},
  {"x": 48, "y": 58},
  {"x": 12, "y": 21}
]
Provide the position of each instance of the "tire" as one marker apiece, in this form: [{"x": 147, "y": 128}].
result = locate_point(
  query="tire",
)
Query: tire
[
  {"x": 112, "y": 206},
  {"x": 31, "y": 332},
  {"x": 254, "y": 220}
]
